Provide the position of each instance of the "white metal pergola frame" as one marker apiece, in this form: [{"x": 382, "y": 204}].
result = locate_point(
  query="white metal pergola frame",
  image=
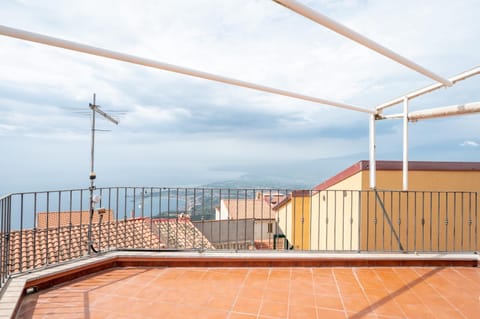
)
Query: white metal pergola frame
[
  {"x": 407, "y": 116},
  {"x": 376, "y": 114}
]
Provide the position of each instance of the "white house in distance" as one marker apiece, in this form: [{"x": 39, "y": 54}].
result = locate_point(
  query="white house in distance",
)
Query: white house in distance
[
  {"x": 239, "y": 208},
  {"x": 246, "y": 221}
]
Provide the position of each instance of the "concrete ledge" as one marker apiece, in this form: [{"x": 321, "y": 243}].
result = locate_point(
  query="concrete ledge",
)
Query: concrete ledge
[{"x": 17, "y": 286}]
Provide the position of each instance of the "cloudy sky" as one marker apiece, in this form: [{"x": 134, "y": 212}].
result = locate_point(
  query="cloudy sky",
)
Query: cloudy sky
[{"x": 177, "y": 130}]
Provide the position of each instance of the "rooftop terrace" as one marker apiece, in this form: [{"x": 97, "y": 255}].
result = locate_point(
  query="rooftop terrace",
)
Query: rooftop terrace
[
  {"x": 161, "y": 252},
  {"x": 252, "y": 285}
]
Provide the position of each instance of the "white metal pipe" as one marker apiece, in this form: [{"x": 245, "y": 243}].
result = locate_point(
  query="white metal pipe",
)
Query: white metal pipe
[
  {"x": 373, "y": 166},
  {"x": 457, "y": 78},
  {"x": 357, "y": 37},
  {"x": 453, "y": 110},
  {"x": 390, "y": 116},
  {"x": 405, "y": 144},
  {"x": 75, "y": 46}
]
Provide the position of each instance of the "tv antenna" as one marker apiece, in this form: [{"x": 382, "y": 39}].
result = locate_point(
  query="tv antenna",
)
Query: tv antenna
[{"x": 94, "y": 199}]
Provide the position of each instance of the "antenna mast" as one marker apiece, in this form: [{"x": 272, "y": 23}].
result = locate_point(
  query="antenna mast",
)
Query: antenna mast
[{"x": 95, "y": 109}]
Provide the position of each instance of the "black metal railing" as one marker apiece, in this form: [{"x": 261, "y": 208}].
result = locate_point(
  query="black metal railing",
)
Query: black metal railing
[{"x": 39, "y": 229}]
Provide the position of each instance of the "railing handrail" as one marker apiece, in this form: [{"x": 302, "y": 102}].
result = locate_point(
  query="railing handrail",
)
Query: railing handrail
[
  {"x": 235, "y": 189},
  {"x": 6, "y": 196},
  {"x": 154, "y": 187}
]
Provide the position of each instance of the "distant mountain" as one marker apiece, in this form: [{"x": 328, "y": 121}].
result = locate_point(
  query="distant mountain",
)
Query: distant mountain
[
  {"x": 260, "y": 182},
  {"x": 301, "y": 174}
]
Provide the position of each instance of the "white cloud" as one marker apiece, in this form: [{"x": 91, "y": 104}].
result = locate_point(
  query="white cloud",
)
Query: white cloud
[
  {"x": 148, "y": 115},
  {"x": 185, "y": 119},
  {"x": 6, "y": 129},
  {"x": 470, "y": 144}
]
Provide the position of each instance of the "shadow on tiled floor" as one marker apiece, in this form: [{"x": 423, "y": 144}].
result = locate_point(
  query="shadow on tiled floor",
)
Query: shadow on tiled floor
[{"x": 382, "y": 292}]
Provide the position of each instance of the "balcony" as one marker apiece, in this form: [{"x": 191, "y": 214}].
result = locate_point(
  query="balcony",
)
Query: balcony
[{"x": 347, "y": 253}]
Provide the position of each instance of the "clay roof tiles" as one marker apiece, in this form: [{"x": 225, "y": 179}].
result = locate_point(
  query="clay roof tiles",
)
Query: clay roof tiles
[{"x": 39, "y": 247}]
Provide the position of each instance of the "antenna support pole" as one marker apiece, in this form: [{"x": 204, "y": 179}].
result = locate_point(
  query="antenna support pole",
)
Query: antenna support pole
[{"x": 95, "y": 109}]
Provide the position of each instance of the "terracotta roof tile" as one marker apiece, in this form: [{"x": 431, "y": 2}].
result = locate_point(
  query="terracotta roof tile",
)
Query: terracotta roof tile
[
  {"x": 59, "y": 219},
  {"x": 34, "y": 248}
]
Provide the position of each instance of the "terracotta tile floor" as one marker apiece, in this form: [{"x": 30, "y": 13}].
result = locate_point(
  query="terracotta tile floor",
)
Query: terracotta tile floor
[{"x": 236, "y": 293}]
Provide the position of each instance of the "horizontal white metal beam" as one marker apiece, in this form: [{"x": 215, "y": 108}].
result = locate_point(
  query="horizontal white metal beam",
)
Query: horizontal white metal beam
[
  {"x": 357, "y": 37},
  {"x": 447, "y": 111},
  {"x": 75, "y": 46},
  {"x": 457, "y": 78}
]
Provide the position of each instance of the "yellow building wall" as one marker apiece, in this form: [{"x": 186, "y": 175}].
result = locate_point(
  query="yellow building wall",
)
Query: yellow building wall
[
  {"x": 284, "y": 215},
  {"x": 294, "y": 221},
  {"x": 439, "y": 216},
  {"x": 317, "y": 222},
  {"x": 301, "y": 218},
  {"x": 335, "y": 216},
  {"x": 354, "y": 182},
  {"x": 335, "y": 220},
  {"x": 419, "y": 221},
  {"x": 426, "y": 180}
]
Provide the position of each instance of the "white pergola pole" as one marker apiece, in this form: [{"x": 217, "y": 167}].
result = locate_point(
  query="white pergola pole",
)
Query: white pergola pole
[
  {"x": 357, "y": 37},
  {"x": 79, "y": 47},
  {"x": 373, "y": 166},
  {"x": 405, "y": 144}
]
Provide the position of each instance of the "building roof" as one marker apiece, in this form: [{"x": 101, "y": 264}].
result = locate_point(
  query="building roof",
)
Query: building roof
[
  {"x": 248, "y": 208},
  {"x": 60, "y": 219},
  {"x": 364, "y": 165},
  {"x": 34, "y": 248},
  {"x": 295, "y": 193}
]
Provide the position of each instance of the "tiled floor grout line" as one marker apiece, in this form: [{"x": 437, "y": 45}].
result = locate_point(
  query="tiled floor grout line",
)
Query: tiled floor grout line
[
  {"x": 465, "y": 278},
  {"x": 153, "y": 279},
  {"x": 101, "y": 273},
  {"x": 290, "y": 280},
  {"x": 339, "y": 292},
  {"x": 121, "y": 282},
  {"x": 355, "y": 275},
  {"x": 476, "y": 282},
  {"x": 313, "y": 291},
  {"x": 235, "y": 300},
  {"x": 135, "y": 297},
  {"x": 389, "y": 292},
  {"x": 442, "y": 296},
  {"x": 408, "y": 284},
  {"x": 263, "y": 295},
  {"x": 289, "y": 291}
]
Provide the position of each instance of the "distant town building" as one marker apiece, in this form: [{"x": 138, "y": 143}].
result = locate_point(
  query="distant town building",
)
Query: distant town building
[{"x": 244, "y": 223}]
